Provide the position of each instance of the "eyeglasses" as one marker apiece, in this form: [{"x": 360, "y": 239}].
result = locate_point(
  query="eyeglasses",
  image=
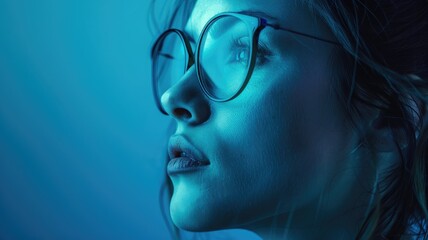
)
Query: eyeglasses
[{"x": 226, "y": 55}]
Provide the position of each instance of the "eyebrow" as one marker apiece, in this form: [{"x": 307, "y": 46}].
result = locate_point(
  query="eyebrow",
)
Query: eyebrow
[
  {"x": 259, "y": 14},
  {"x": 246, "y": 12}
]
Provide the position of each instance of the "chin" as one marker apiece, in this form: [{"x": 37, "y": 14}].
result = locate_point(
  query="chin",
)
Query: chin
[
  {"x": 195, "y": 222},
  {"x": 197, "y": 218}
]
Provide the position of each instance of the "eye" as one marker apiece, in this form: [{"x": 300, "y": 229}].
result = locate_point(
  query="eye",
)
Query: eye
[
  {"x": 240, "y": 52},
  {"x": 242, "y": 55},
  {"x": 166, "y": 55}
]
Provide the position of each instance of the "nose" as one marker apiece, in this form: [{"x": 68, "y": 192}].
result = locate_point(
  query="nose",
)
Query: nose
[{"x": 185, "y": 101}]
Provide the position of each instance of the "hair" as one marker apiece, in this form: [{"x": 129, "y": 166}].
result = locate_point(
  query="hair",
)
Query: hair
[{"x": 384, "y": 67}]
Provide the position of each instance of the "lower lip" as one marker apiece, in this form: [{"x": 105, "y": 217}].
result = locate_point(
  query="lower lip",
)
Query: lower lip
[{"x": 184, "y": 164}]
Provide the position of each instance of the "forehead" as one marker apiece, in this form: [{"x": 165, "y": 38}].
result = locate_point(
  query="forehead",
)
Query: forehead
[{"x": 288, "y": 13}]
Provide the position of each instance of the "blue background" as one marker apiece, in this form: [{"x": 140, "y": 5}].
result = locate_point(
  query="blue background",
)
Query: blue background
[{"x": 80, "y": 137}]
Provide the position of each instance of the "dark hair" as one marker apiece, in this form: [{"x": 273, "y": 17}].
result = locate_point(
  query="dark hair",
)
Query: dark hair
[
  {"x": 384, "y": 67},
  {"x": 385, "y": 45}
]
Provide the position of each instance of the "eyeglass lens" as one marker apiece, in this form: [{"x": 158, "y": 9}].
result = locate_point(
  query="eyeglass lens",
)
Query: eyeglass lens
[
  {"x": 169, "y": 62},
  {"x": 224, "y": 58}
]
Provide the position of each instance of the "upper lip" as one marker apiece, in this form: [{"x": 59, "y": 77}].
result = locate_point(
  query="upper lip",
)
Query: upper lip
[{"x": 178, "y": 145}]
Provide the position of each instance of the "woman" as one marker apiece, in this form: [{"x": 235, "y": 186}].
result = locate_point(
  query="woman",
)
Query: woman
[{"x": 297, "y": 119}]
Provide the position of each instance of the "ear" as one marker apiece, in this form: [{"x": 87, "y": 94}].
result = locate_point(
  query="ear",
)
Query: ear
[{"x": 385, "y": 136}]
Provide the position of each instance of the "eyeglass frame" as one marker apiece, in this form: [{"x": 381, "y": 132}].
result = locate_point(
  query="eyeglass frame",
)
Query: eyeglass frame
[{"x": 255, "y": 23}]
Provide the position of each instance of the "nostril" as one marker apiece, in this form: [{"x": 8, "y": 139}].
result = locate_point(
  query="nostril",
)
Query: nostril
[{"x": 182, "y": 113}]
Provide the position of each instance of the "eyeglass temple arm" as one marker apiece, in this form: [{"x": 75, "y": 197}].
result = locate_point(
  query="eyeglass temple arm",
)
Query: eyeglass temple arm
[{"x": 277, "y": 27}]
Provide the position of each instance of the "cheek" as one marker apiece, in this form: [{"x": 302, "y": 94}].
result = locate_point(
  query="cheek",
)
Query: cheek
[
  {"x": 283, "y": 145},
  {"x": 258, "y": 156}
]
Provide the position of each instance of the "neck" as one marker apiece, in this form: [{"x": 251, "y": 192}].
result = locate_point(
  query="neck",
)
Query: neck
[
  {"x": 337, "y": 213},
  {"x": 295, "y": 226}
]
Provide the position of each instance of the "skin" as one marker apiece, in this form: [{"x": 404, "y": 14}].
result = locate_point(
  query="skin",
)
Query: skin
[{"x": 284, "y": 160}]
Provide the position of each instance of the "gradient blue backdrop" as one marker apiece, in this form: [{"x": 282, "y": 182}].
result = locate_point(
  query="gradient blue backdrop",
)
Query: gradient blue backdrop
[{"x": 80, "y": 137}]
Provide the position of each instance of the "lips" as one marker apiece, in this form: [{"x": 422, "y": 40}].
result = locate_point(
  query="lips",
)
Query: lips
[{"x": 184, "y": 157}]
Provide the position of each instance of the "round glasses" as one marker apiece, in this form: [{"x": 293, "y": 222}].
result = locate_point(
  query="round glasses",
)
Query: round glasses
[{"x": 225, "y": 56}]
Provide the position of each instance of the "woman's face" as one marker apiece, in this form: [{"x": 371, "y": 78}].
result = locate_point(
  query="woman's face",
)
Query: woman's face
[{"x": 281, "y": 146}]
